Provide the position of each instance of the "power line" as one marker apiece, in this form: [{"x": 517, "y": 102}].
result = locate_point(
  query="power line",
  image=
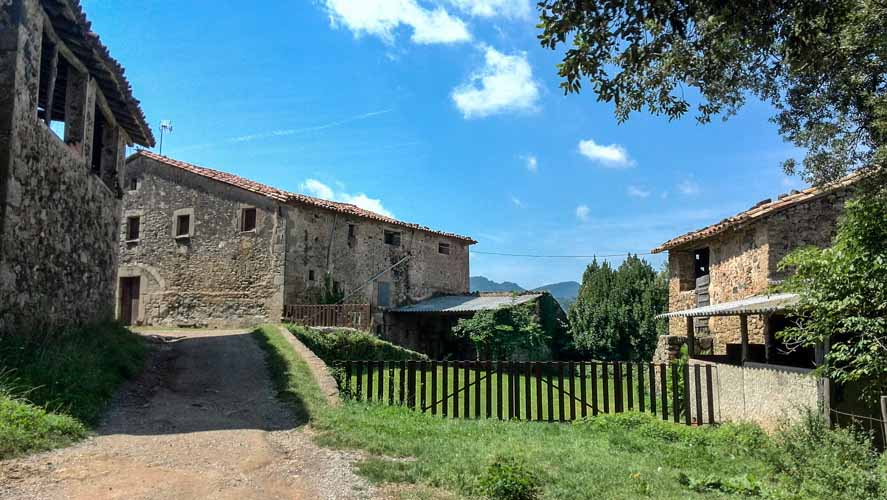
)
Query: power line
[{"x": 538, "y": 256}]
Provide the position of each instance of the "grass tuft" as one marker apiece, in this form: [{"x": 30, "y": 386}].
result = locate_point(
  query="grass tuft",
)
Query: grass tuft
[{"x": 351, "y": 345}]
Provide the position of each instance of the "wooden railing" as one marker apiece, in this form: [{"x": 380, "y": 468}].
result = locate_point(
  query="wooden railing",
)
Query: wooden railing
[
  {"x": 547, "y": 391},
  {"x": 333, "y": 315}
]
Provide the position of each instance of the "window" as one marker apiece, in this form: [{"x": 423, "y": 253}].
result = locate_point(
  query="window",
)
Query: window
[
  {"x": 52, "y": 88},
  {"x": 132, "y": 228},
  {"x": 134, "y": 184},
  {"x": 443, "y": 248},
  {"x": 701, "y": 262},
  {"x": 248, "y": 219},
  {"x": 384, "y": 294},
  {"x": 183, "y": 226},
  {"x": 352, "y": 231},
  {"x": 311, "y": 275},
  {"x": 392, "y": 238}
]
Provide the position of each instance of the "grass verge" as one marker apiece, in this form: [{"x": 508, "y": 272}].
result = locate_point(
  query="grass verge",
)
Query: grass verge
[
  {"x": 622, "y": 456},
  {"x": 53, "y": 388},
  {"x": 341, "y": 345}
]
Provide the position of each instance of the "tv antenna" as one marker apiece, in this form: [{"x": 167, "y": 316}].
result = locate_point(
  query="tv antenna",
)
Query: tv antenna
[{"x": 165, "y": 125}]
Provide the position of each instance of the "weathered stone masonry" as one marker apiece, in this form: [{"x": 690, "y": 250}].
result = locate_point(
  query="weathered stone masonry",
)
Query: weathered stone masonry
[
  {"x": 59, "y": 196},
  {"x": 221, "y": 275}
]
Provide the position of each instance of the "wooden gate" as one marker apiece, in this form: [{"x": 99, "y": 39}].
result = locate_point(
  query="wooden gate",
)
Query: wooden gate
[{"x": 541, "y": 391}]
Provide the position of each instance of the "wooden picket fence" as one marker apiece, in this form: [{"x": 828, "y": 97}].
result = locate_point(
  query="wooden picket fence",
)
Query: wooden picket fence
[
  {"x": 542, "y": 391},
  {"x": 357, "y": 316}
]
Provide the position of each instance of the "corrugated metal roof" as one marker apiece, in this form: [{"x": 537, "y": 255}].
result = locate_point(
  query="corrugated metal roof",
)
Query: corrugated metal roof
[
  {"x": 467, "y": 303},
  {"x": 759, "y": 304}
]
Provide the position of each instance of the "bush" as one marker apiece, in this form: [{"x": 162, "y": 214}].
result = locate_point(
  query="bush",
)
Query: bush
[
  {"x": 74, "y": 371},
  {"x": 507, "y": 478},
  {"x": 815, "y": 462},
  {"x": 25, "y": 427},
  {"x": 351, "y": 345}
]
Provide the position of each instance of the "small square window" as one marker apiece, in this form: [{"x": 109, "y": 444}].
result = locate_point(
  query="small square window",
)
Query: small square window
[
  {"x": 183, "y": 225},
  {"x": 392, "y": 238},
  {"x": 134, "y": 184},
  {"x": 352, "y": 230},
  {"x": 248, "y": 219},
  {"x": 443, "y": 248},
  {"x": 132, "y": 228},
  {"x": 311, "y": 275}
]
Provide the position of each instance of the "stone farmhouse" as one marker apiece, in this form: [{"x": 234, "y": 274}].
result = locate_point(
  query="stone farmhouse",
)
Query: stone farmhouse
[
  {"x": 67, "y": 114},
  {"x": 200, "y": 247},
  {"x": 720, "y": 276}
]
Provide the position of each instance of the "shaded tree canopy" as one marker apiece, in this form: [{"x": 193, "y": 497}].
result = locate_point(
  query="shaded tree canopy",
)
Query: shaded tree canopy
[
  {"x": 498, "y": 333},
  {"x": 821, "y": 64},
  {"x": 843, "y": 292},
  {"x": 613, "y": 317}
]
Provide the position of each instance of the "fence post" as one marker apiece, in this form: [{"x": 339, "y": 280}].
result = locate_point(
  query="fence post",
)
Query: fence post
[{"x": 884, "y": 417}]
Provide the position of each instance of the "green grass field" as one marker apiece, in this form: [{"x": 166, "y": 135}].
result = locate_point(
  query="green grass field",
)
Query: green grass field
[{"x": 625, "y": 456}]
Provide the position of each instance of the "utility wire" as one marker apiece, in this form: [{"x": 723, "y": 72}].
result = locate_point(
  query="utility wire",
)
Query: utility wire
[{"x": 503, "y": 254}]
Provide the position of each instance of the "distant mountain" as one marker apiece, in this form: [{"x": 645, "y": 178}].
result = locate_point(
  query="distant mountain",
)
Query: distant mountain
[
  {"x": 565, "y": 292},
  {"x": 483, "y": 284}
]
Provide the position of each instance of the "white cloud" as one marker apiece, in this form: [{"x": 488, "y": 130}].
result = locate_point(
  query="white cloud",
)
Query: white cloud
[
  {"x": 492, "y": 8},
  {"x": 382, "y": 17},
  {"x": 318, "y": 189},
  {"x": 532, "y": 163},
  {"x": 688, "y": 187},
  {"x": 505, "y": 83},
  {"x": 612, "y": 156},
  {"x": 582, "y": 212},
  {"x": 517, "y": 201},
  {"x": 637, "y": 192}
]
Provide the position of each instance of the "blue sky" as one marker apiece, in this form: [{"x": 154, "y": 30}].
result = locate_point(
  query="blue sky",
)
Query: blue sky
[{"x": 445, "y": 113}]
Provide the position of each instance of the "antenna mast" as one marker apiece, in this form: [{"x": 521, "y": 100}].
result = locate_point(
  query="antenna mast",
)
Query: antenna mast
[{"x": 165, "y": 125}]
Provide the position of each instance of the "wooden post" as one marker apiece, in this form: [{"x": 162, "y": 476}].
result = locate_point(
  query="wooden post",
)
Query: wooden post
[
  {"x": 50, "y": 83},
  {"x": 768, "y": 339},
  {"x": 743, "y": 333},
  {"x": 884, "y": 416},
  {"x": 691, "y": 337}
]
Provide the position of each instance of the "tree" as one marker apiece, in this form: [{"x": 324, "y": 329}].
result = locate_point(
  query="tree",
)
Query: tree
[
  {"x": 613, "y": 317},
  {"x": 498, "y": 333},
  {"x": 843, "y": 292},
  {"x": 821, "y": 64}
]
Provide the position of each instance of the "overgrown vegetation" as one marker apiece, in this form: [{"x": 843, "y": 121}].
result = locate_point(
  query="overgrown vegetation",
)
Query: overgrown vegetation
[
  {"x": 613, "y": 317},
  {"x": 610, "y": 456},
  {"x": 54, "y": 387},
  {"x": 351, "y": 345},
  {"x": 499, "y": 333},
  {"x": 844, "y": 297}
]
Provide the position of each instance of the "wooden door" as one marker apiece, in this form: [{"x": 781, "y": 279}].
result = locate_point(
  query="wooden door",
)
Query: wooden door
[{"x": 129, "y": 300}]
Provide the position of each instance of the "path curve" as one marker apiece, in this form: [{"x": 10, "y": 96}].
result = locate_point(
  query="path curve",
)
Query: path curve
[{"x": 202, "y": 421}]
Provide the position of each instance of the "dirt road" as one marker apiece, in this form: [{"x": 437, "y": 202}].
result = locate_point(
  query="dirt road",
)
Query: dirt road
[{"x": 201, "y": 422}]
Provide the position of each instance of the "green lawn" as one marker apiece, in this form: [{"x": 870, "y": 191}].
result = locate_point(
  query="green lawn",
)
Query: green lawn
[{"x": 624, "y": 456}]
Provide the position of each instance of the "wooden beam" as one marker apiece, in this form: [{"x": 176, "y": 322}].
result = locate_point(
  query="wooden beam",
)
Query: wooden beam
[
  {"x": 691, "y": 337},
  {"x": 50, "y": 82},
  {"x": 743, "y": 334},
  {"x": 768, "y": 339}
]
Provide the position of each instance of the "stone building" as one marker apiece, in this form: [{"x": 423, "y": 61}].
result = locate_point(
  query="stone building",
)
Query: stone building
[
  {"x": 721, "y": 276},
  {"x": 200, "y": 247},
  {"x": 66, "y": 116}
]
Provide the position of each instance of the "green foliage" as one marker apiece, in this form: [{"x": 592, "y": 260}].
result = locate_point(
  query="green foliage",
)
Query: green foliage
[
  {"x": 844, "y": 297},
  {"x": 331, "y": 293},
  {"x": 745, "y": 484},
  {"x": 821, "y": 65},
  {"x": 74, "y": 371},
  {"x": 816, "y": 462},
  {"x": 498, "y": 333},
  {"x": 25, "y": 427},
  {"x": 351, "y": 345},
  {"x": 613, "y": 317},
  {"x": 508, "y": 478}
]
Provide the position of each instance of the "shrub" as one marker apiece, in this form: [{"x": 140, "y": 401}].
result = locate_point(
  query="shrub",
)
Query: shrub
[
  {"x": 815, "y": 462},
  {"x": 25, "y": 427},
  {"x": 507, "y": 478},
  {"x": 351, "y": 345}
]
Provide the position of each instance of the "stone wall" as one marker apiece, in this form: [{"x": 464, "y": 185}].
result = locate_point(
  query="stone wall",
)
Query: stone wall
[
  {"x": 744, "y": 261},
  {"x": 220, "y": 275},
  {"x": 758, "y": 393},
  {"x": 353, "y": 251},
  {"x": 59, "y": 221}
]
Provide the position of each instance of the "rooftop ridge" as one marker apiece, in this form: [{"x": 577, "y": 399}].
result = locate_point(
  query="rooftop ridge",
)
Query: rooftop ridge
[{"x": 288, "y": 197}]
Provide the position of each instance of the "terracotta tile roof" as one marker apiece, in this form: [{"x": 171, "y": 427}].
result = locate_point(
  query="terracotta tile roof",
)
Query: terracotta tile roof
[
  {"x": 291, "y": 198},
  {"x": 70, "y": 24},
  {"x": 761, "y": 209}
]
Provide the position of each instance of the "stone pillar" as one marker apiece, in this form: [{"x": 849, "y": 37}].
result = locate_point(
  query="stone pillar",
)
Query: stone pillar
[{"x": 79, "y": 108}]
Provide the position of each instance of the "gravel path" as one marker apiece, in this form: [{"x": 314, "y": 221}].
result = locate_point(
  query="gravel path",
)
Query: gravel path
[{"x": 200, "y": 422}]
